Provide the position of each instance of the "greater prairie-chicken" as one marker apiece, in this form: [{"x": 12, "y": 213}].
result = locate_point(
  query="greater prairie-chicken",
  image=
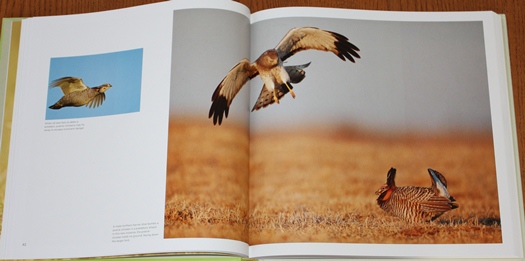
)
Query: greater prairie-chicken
[
  {"x": 416, "y": 204},
  {"x": 76, "y": 93},
  {"x": 277, "y": 78}
]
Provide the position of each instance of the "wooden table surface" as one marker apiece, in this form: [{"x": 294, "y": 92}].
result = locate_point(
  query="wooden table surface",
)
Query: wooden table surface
[{"x": 513, "y": 9}]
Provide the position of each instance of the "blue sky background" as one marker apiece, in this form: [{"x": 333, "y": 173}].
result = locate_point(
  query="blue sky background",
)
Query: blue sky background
[{"x": 123, "y": 70}]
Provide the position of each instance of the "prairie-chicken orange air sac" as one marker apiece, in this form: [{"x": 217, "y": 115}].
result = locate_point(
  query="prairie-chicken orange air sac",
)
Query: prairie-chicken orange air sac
[{"x": 416, "y": 204}]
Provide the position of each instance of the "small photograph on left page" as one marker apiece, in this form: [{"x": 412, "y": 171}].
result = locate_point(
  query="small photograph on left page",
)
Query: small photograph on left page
[{"x": 94, "y": 85}]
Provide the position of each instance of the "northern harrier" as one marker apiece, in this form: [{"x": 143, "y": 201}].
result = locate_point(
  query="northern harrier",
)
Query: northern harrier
[
  {"x": 415, "y": 204},
  {"x": 276, "y": 77},
  {"x": 76, "y": 93}
]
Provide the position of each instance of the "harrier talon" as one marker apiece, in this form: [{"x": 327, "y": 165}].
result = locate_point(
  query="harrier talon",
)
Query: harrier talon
[
  {"x": 275, "y": 97},
  {"x": 290, "y": 89}
]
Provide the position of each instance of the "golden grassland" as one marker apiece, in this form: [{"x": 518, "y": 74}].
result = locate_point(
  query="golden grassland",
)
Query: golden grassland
[
  {"x": 207, "y": 181},
  {"x": 318, "y": 186}
]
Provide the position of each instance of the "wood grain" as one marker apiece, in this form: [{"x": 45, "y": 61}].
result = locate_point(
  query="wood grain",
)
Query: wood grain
[{"x": 513, "y": 9}]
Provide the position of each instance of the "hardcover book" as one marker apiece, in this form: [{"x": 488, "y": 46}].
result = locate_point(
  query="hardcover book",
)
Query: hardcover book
[{"x": 197, "y": 127}]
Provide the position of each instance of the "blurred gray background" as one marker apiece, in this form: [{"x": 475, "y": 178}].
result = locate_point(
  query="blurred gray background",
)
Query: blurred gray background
[
  {"x": 412, "y": 77},
  {"x": 207, "y": 43}
]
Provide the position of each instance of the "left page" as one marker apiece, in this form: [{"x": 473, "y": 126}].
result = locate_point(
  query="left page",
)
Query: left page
[{"x": 91, "y": 180}]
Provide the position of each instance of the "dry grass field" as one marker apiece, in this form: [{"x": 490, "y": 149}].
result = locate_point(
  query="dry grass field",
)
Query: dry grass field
[
  {"x": 319, "y": 186},
  {"x": 207, "y": 181}
]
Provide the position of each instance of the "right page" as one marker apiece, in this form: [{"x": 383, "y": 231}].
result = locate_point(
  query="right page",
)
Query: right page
[{"x": 428, "y": 100}]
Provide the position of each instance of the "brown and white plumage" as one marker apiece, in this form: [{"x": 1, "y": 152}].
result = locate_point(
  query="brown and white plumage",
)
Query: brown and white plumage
[
  {"x": 76, "y": 93},
  {"x": 276, "y": 77},
  {"x": 416, "y": 204}
]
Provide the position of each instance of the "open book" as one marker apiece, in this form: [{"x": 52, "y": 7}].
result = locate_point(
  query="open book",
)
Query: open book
[{"x": 143, "y": 169}]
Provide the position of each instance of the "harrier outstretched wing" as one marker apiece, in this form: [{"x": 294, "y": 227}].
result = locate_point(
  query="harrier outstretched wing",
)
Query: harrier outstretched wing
[
  {"x": 228, "y": 88},
  {"x": 307, "y": 38}
]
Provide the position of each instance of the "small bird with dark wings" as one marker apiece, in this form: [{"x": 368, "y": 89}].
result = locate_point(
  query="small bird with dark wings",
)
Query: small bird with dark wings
[
  {"x": 277, "y": 78},
  {"x": 77, "y": 94}
]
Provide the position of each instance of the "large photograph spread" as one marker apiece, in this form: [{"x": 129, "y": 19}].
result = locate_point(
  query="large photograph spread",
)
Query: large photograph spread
[
  {"x": 378, "y": 132},
  {"x": 396, "y": 148}
]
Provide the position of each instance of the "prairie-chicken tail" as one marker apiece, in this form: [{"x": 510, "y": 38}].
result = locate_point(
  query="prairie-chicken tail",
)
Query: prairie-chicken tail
[
  {"x": 391, "y": 178},
  {"x": 439, "y": 184},
  {"x": 55, "y": 106}
]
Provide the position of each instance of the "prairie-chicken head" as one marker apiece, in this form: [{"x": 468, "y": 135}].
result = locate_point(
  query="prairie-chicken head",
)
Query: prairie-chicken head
[
  {"x": 386, "y": 189},
  {"x": 104, "y": 87}
]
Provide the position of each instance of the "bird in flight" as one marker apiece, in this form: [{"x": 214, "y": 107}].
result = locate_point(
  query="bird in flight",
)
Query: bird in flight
[
  {"x": 76, "y": 93},
  {"x": 277, "y": 78},
  {"x": 416, "y": 204}
]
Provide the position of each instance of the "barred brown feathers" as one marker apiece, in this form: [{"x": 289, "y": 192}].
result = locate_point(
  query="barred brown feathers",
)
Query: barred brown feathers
[
  {"x": 76, "y": 93},
  {"x": 416, "y": 204}
]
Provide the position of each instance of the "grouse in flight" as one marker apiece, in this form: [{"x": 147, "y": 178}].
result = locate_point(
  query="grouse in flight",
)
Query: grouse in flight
[{"x": 76, "y": 93}]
